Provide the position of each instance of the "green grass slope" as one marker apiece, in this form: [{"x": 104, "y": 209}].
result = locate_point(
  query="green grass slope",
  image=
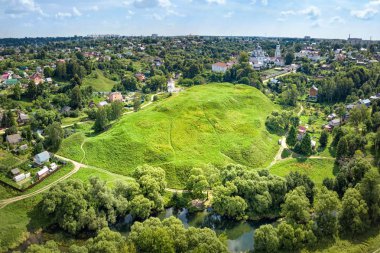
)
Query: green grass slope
[
  {"x": 100, "y": 83},
  {"x": 209, "y": 124}
]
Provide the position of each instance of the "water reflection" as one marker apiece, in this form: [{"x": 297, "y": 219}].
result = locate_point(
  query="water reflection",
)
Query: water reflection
[{"x": 239, "y": 234}]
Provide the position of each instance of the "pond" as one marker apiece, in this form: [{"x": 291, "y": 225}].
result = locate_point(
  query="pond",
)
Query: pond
[{"x": 239, "y": 233}]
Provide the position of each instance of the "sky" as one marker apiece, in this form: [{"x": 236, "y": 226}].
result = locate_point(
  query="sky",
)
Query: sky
[{"x": 272, "y": 18}]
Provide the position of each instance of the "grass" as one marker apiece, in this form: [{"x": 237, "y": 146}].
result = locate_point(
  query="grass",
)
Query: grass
[
  {"x": 316, "y": 169},
  {"x": 99, "y": 83},
  {"x": 17, "y": 220},
  {"x": 215, "y": 123},
  {"x": 84, "y": 174}
]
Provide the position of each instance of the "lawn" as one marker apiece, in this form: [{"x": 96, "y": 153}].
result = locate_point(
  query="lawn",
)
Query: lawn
[
  {"x": 100, "y": 82},
  {"x": 16, "y": 220},
  {"x": 84, "y": 174},
  {"x": 316, "y": 169},
  {"x": 215, "y": 123}
]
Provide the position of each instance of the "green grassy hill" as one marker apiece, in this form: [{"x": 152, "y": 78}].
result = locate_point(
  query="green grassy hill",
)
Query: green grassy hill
[
  {"x": 209, "y": 124},
  {"x": 100, "y": 83}
]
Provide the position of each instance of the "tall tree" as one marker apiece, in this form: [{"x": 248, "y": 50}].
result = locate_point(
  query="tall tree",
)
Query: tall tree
[
  {"x": 54, "y": 137},
  {"x": 323, "y": 139},
  {"x": 266, "y": 239},
  {"x": 291, "y": 139},
  {"x": 354, "y": 215},
  {"x": 305, "y": 146},
  {"x": 101, "y": 120}
]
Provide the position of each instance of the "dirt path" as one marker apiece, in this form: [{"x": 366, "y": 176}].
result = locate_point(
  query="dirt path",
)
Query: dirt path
[{"x": 5, "y": 202}]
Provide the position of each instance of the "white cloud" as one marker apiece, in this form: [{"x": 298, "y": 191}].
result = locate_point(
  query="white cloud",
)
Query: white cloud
[
  {"x": 228, "y": 14},
  {"x": 76, "y": 11},
  {"x": 369, "y": 10},
  {"x": 22, "y": 7},
  {"x": 312, "y": 12},
  {"x": 337, "y": 20},
  {"x": 216, "y": 1},
  {"x": 94, "y": 8},
  {"x": 263, "y": 2},
  {"x": 63, "y": 15},
  {"x": 366, "y": 13},
  {"x": 288, "y": 13}
]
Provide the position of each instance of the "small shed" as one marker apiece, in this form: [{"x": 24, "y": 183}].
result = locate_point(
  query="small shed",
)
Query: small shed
[
  {"x": 15, "y": 171},
  {"x": 13, "y": 138}
]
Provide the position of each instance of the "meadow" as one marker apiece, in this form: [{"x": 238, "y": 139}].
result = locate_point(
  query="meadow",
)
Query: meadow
[
  {"x": 316, "y": 169},
  {"x": 99, "y": 82},
  {"x": 209, "y": 124}
]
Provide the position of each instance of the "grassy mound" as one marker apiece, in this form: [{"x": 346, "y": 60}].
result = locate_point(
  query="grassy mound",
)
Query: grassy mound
[
  {"x": 209, "y": 124},
  {"x": 99, "y": 83}
]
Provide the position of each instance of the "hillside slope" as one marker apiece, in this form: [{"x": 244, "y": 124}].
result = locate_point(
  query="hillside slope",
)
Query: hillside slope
[{"x": 209, "y": 124}]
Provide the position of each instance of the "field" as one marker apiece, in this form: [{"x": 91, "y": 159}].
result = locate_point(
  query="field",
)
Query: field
[
  {"x": 101, "y": 83},
  {"x": 215, "y": 123},
  {"x": 316, "y": 169}
]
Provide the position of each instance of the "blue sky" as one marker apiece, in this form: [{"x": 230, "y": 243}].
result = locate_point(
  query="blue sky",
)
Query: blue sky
[{"x": 321, "y": 18}]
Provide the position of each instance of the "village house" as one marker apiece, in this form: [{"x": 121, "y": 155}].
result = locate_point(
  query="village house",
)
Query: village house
[
  {"x": 313, "y": 92},
  {"x": 13, "y": 139},
  {"x": 22, "y": 118},
  {"x": 42, "y": 157},
  {"x": 334, "y": 123},
  {"x": 36, "y": 78},
  {"x": 365, "y": 102},
  {"x": 301, "y": 132},
  {"x": 219, "y": 67},
  {"x": 140, "y": 77},
  {"x": 15, "y": 172},
  {"x": 115, "y": 96},
  {"x": 21, "y": 177}
]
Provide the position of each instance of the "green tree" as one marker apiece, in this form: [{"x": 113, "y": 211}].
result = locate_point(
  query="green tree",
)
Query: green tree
[
  {"x": 141, "y": 207},
  {"x": 286, "y": 236},
  {"x": 326, "y": 209},
  {"x": 76, "y": 100},
  {"x": 305, "y": 146},
  {"x": 116, "y": 110},
  {"x": 101, "y": 120},
  {"x": 107, "y": 241},
  {"x": 291, "y": 139},
  {"x": 296, "y": 208},
  {"x": 370, "y": 190},
  {"x": 17, "y": 92},
  {"x": 136, "y": 103},
  {"x": 129, "y": 82},
  {"x": 323, "y": 139},
  {"x": 266, "y": 239},
  {"x": 197, "y": 183},
  {"x": 354, "y": 216},
  {"x": 48, "y": 247},
  {"x": 342, "y": 148},
  {"x": 54, "y": 137},
  {"x": 289, "y": 58}
]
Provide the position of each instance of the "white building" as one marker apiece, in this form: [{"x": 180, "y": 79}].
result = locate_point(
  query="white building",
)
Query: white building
[
  {"x": 219, "y": 67},
  {"x": 277, "y": 53}
]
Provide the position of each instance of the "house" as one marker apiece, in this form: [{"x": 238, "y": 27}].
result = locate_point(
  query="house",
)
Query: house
[
  {"x": 49, "y": 80},
  {"x": 102, "y": 103},
  {"x": 23, "y": 147},
  {"x": 10, "y": 82},
  {"x": 313, "y": 92},
  {"x": 42, "y": 157},
  {"x": 13, "y": 139},
  {"x": 331, "y": 116},
  {"x": 43, "y": 173},
  {"x": 365, "y": 102},
  {"x": 22, "y": 118},
  {"x": 374, "y": 97},
  {"x": 350, "y": 107},
  {"x": 140, "y": 77},
  {"x": 115, "y": 96},
  {"x": 301, "y": 132},
  {"x": 36, "y": 78},
  {"x": 15, "y": 172},
  {"x": 65, "y": 109},
  {"x": 334, "y": 123},
  {"x": 220, "y": 67}
]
